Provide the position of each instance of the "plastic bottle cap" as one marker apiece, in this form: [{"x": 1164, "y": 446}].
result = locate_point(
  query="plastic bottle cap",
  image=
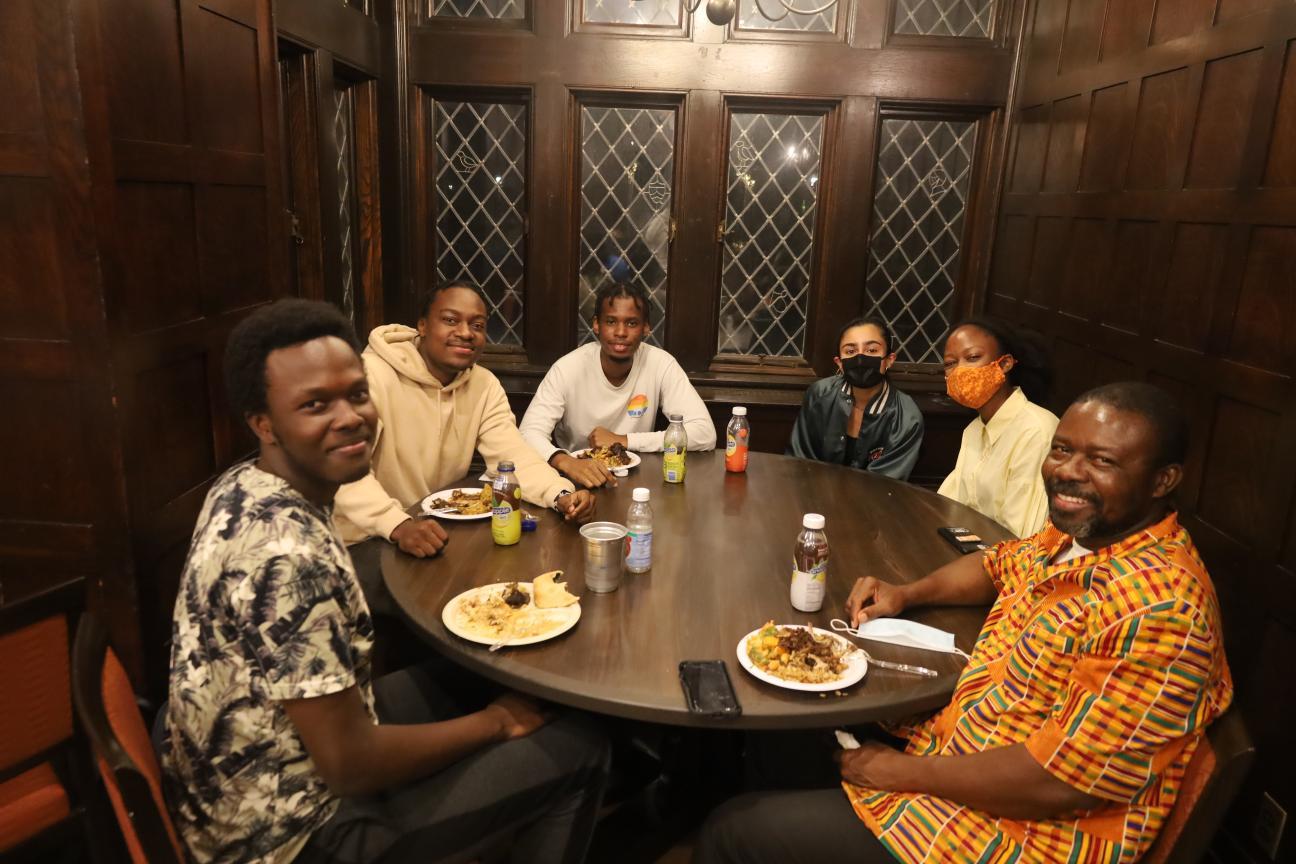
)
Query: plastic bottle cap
[
  {"x": 813, "y": 521},
  {"x": 675, "y": 418},
  {"x": 505, "y": 466},
  {"x": 640, "y": 493},
  {"x": 740, "y": 411}
]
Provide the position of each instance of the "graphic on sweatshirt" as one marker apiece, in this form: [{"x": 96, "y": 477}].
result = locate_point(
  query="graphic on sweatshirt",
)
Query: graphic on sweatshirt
[{"x": 637, "y": 406}]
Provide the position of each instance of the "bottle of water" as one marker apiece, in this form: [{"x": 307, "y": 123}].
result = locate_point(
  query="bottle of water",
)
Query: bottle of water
[
  {"x": 674, "y": 450},
  {"x": 639, "y": 526},
  {"x": 810, "y": 564}
]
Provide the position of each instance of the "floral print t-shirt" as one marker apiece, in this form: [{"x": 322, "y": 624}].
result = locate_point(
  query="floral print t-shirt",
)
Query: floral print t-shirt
[{"x": 269, "y": 610}]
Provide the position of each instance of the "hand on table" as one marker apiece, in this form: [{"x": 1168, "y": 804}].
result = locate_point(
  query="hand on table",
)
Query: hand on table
[
  {"x": 602, "y": 437},
  {"x": 421, "y": 538},
  {"x": 873, "y": 765},
  {"x": 587, "y": 472},
  {"x": 872, "y": 598},
  {"x": 576, "y": 506},
  {"x": 517, "y": 715}
]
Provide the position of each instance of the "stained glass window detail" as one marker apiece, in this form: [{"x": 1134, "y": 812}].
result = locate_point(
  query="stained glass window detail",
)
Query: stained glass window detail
[
  {"x": 750, "y": 17},
  {"x": 968, "y": 18},
  {"x": 478, "y": 9},
  {"x": 772, "y": 198},
  {"x": 627, "y": 186},
  {"x": 924, "y": 172},
  {"x": 344, "y": 141},
  {"x": 480, "y": 205},
  {"x": 659, "y": 13}
]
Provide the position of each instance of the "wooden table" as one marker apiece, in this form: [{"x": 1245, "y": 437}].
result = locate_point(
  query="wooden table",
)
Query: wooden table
[{"x": 722, "y": 552}]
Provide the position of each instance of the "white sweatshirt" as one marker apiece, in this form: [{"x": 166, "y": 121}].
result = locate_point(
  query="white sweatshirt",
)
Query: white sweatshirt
[{"x": 576, "y": 396}]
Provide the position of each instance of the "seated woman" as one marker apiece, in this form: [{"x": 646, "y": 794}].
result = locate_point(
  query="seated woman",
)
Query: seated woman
[
  {"x": 1002, "y": 374},
  {"x": 856, "y": 417}
]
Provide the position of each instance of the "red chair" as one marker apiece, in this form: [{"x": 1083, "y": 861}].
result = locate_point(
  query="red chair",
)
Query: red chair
[
  {"x": 105, "y": 704},
  {"x": 37, "y": 742}
]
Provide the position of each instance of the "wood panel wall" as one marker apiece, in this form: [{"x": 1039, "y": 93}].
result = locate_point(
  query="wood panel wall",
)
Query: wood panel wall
[{"x": 1148, "y": 227}]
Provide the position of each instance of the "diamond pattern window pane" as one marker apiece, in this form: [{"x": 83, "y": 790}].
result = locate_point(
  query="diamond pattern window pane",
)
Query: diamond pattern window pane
[
  {"x": 750, "y": 17},
  {"x": 627, "y": 185},
  {"x": 480, "y": 201},
  {"x": 923, "y": 174},
  {"x": 477, "y": 9},
  {"x": 773, "y": 189},
  {"x": 969, "y": 18},
  {"x": 344, "y": 139},
  {"x": 660, "y": 13}
]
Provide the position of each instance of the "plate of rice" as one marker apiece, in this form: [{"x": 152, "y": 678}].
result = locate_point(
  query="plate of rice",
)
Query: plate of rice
[{"x": 801, "y": 657}]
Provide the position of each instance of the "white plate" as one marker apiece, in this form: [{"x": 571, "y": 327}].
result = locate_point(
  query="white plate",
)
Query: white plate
[
  {"x": 856, "y": 664},
  {"x": 634, "y": 458},
  {"x": 426, "y": 505},
  {"x": 565, "y": 617}
]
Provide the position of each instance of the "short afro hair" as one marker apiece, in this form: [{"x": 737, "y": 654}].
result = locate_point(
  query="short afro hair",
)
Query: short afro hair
[
  {"x": 1152, "y": 404},
  {"x": 429, "y": 295},
  {"x": 613, "y": 290},
  {"x": 281, "y": 324}
]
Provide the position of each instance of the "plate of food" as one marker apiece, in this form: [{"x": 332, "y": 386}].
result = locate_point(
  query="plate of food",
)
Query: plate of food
[
  {"x": 801, "y": 657},
  {"x": 513, "y": 613},
  {"x": 611, "y": 458},
  {"x": 467, "y": 502}
]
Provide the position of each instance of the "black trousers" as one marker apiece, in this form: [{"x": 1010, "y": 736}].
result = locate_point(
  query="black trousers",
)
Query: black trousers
[{"x": 814, "y": 826}]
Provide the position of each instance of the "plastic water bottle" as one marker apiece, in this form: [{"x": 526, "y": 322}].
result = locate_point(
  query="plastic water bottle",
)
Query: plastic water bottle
[
  {"x": 810, "y": 565},
  {"x": 674, "y": 450},
  {"x": 506, "y": 501},
  {"x": 737, "y": 437},
  {"x": 639, "y": 538}
]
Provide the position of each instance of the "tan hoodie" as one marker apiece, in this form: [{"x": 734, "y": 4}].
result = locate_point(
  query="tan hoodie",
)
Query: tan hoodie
[{"x": 427, "y": 434}]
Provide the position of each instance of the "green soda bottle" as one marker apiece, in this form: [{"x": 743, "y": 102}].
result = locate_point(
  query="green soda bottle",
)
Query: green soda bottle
[
  {"x": 674, "y": 450},
  {"x": 506, "y": 501}
]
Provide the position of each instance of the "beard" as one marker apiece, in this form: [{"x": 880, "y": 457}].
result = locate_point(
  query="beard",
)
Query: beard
[{"x": 1079, "y": 527}]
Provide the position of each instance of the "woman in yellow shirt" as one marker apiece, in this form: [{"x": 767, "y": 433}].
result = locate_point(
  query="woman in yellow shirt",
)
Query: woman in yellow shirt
[{"x": 1002, "y": 374}]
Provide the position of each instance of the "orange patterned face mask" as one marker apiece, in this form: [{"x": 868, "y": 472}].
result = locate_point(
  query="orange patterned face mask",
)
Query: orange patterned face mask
[{"x": 972, "y": 386}]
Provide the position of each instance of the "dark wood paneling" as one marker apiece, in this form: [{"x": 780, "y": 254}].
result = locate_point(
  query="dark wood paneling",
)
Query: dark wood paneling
[
  {"x": 1048, "y": 261},
  {"x": 126, "y": 27},
  {"x": 1066, "y": 137},
  {"x": 22, "y": 113},
  {"x": 1266, "y": 314},
  {"x": 1088, "y": 263},
  {"x": 1032, "y": 143},
  {"x": 1228, "y": 95},
  {"x": 1121, "y": 298},
  {"x": 44, "y": 455},
  {"x": 226, "y": 82},
  {"x": 1127, "y": 27},
  {"x": 232, "y": 235},
  {"x": 1280, "y": 169},
  {"x": 1232, "y": 499},
  {"x": 1083, "y": 31},
  {"x": 159, "y": 276},
  {"x": 31, "y": 299},
  {"x": 1230, "y": 9},
  {"x": 1187, "y": 298},
  {"x": 1161, "y": 130},
  {"x": 1175, "y": 18},
  {"x": 1012, "y": 256},
  {"x": 1106, "y": 139},
  {"x": 169, "y": 441}
]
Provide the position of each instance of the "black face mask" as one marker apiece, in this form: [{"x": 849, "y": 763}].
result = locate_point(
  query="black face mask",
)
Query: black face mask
[{"x": 862, "y": 370}]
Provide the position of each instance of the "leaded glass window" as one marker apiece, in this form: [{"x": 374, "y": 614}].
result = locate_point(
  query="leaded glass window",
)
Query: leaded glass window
[
  {"x": 772, "y": 197},
  {"x": 967, "y": 18},
  {"x": 658, "y": 13},
  {"x": 478, "y": 9},
  {"x": 627, "y": 185},
  {"x": 924, "y": 171},
  {"x": 750, "y": 17},
  {"x": 480, "y": 200},
  {"x": 344, "y": 141}
]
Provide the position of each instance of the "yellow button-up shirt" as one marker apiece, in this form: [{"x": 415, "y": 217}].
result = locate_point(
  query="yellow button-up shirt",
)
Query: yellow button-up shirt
[
  {"x": 998, "y": 467},
  {"x": 1108, "y": 667}
]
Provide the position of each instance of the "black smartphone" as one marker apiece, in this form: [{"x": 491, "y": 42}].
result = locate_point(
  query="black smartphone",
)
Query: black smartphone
[
  {"x": 707, "y": 688},
  {"x": 963, "y": 539}
]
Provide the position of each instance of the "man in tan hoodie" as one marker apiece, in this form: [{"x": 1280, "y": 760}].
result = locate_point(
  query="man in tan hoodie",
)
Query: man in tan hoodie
[{"x": 435, "y": 407}]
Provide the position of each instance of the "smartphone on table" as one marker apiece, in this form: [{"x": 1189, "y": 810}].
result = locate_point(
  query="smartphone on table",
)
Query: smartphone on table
[
  {"x": 707, "y": 688},
  {"x": 963, "y": 539}
]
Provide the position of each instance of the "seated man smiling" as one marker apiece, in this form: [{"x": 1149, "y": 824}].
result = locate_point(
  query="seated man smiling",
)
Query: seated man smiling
[
  {"x": 609, "y": 392},
  {"x": 278, "y": 747},
  {"x": 1097, "y": 671}
]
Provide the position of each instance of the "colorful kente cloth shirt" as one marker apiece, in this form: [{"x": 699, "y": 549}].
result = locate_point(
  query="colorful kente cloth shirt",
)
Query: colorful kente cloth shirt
[
  {"x": 269, "y": 609},
  {"x": 1108, "y": 667}
]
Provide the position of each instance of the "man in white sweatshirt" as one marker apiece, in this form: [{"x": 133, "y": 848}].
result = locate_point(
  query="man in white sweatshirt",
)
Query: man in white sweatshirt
[
  {"x": 435, "y": 407},
  {"x": 609, "y": 391}
]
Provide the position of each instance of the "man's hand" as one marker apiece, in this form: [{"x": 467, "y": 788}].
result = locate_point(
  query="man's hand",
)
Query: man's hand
[
  {"x": 602, "y": 437},
  {"x": 873, "y": 765},
  {"x": 576, "y": 506},
  {"x": 518, "y": 715},
  {"x": 872, "y": 598},
  {"x": 589, "y": 473},
  {"x": 421, "y": 538}
]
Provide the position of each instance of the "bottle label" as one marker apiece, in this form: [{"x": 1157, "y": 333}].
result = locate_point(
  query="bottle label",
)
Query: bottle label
[
  {"x": 673, "y": 465},
  {"x": 808, "y": 586},
  {"x": 639, "y": 550},
  {"x": 736, "y": 451},
  {"x": 506, "y": 521}
]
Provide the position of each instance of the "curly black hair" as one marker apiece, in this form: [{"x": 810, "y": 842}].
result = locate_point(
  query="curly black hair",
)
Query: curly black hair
[
  {"x": 612, "y": 290},
  {"x": 429, "y": 295},
  {"x": 1152, "y": 404},
  {"x": 1031, "y": 370},
  {"x": 279, "y": 325}
]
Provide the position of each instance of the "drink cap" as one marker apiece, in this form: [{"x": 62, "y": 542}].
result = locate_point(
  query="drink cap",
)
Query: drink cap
[
  {"x": 675, "y": 418},
  {"x": 813, "y": 521},
  {"x": 740, "y": 411},
  {"x": 505, "y": 466},
  {"x": 640, "y": 493}
]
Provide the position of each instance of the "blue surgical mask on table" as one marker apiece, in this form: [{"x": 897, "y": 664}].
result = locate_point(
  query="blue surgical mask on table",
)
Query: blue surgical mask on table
[{"x": 899, "y": 631}]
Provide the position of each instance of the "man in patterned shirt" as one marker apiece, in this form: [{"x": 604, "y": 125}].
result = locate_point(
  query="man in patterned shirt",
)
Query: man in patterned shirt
[
  {"x": 278, "y": 748},
  {"x": 1097, "y": 670}
]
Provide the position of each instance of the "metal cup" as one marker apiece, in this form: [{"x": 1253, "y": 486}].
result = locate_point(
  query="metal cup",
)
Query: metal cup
[{"x": 604, "y": 544}]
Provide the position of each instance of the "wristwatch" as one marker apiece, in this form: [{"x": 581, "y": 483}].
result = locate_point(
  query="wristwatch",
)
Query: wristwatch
[{"x": 560, "y": 495}]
